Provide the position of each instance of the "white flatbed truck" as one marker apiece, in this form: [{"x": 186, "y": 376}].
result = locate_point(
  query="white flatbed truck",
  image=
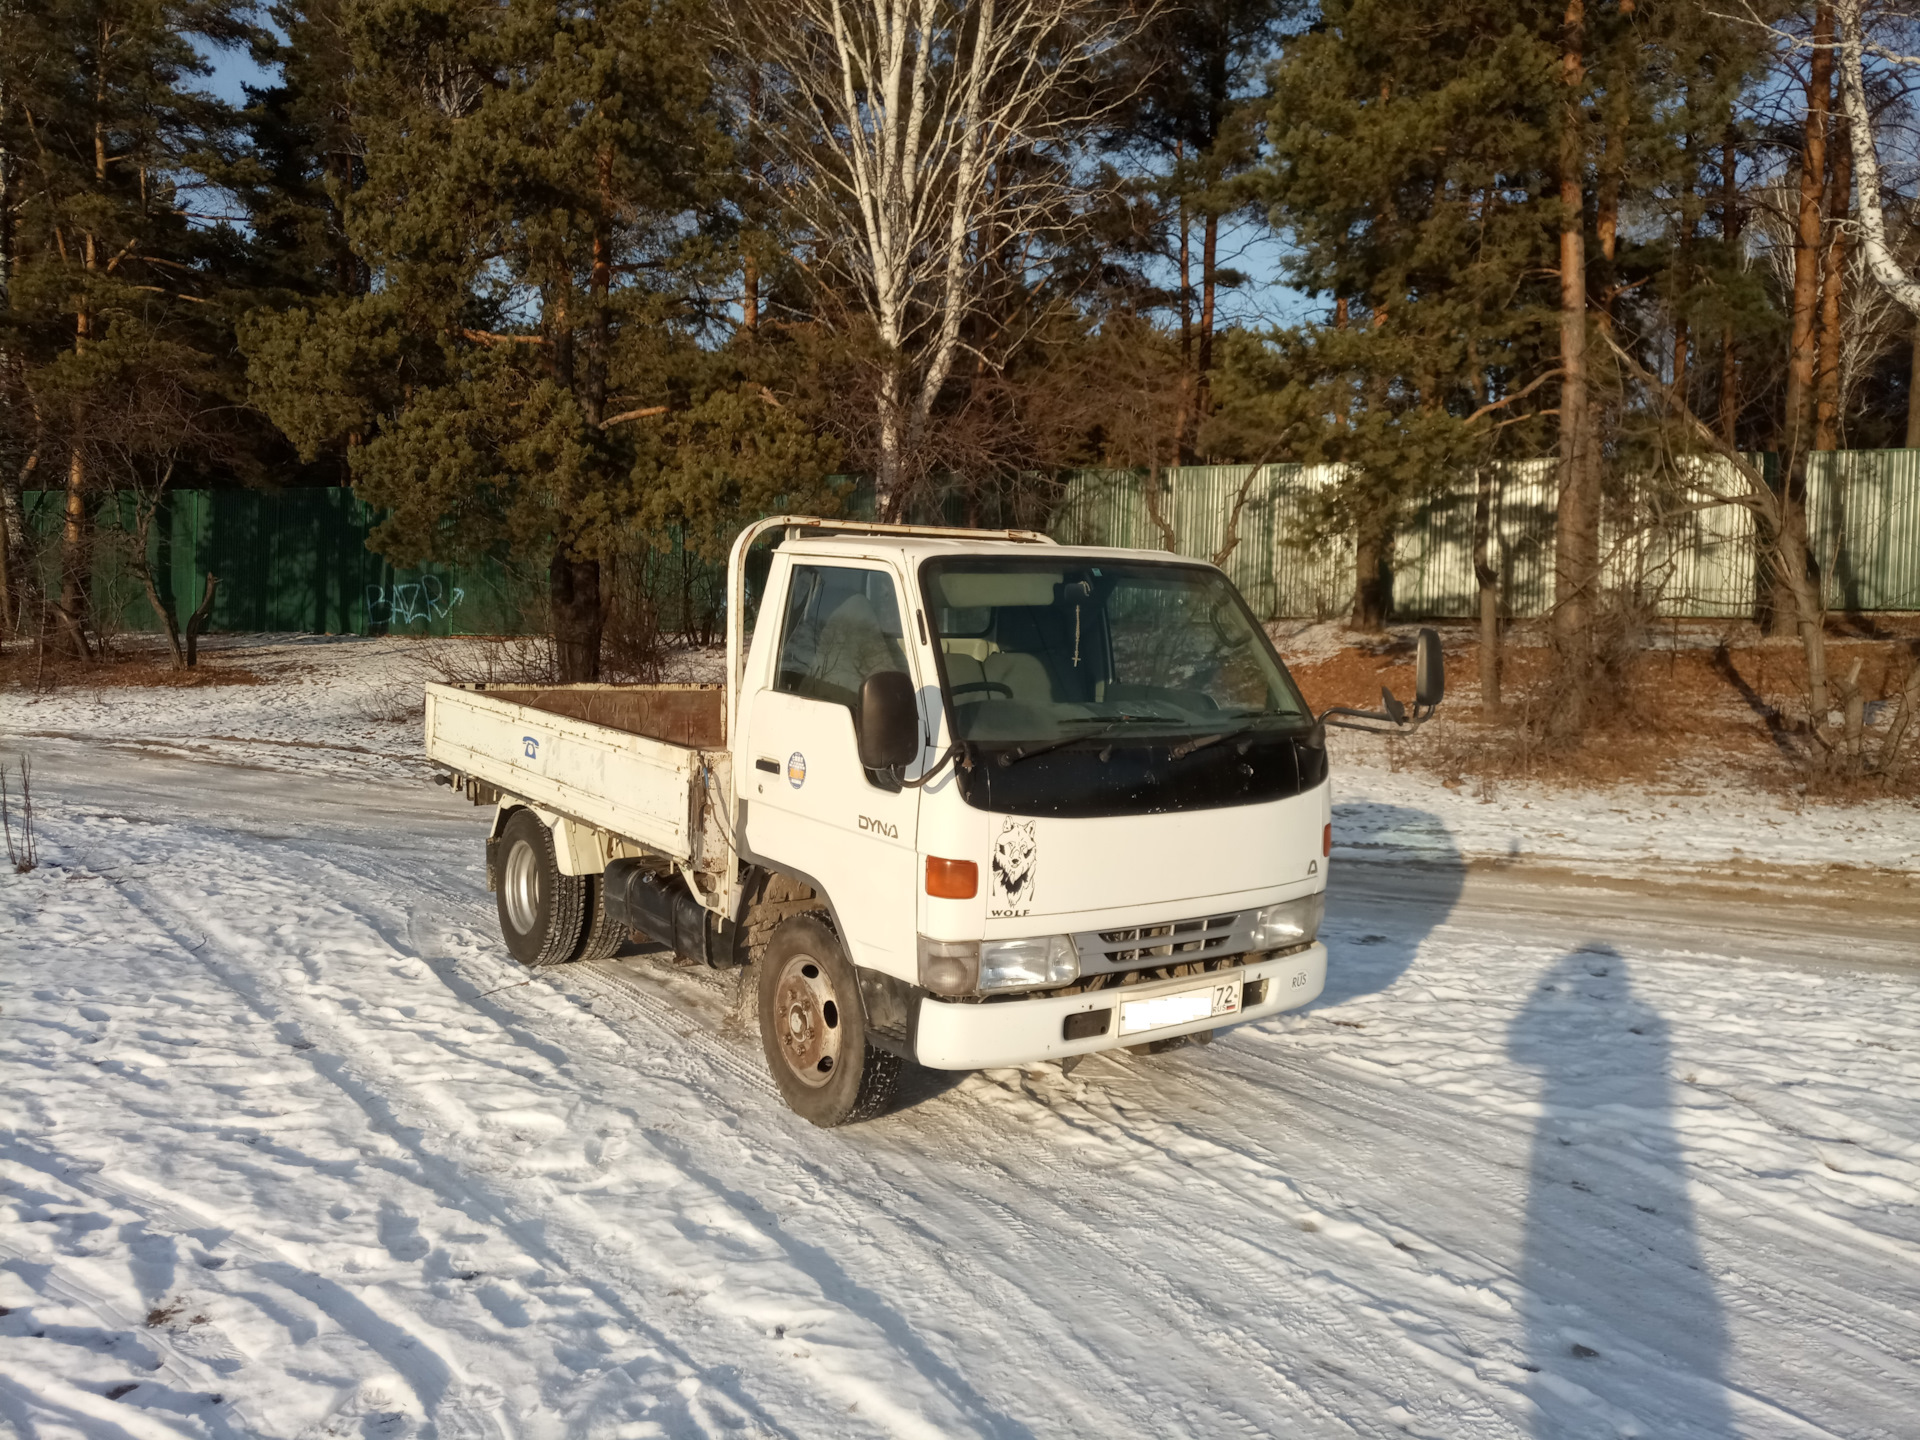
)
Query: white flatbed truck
[{"x": 966, "y": 799}]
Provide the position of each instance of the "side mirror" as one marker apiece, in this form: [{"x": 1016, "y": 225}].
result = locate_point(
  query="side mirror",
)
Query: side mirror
[
  {"x": 1429, "y": 672},
  {"x": 888, "y": 725}
]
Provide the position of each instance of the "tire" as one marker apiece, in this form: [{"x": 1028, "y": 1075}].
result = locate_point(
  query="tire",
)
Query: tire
[
  {"x": 600, "y": 937},
  {"x": 542, "y": 912},
  {"x": 813, "y": 1029}
]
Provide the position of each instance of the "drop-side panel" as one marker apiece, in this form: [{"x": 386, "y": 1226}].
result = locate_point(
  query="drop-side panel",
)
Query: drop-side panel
[{"x": 634, "y": 786}]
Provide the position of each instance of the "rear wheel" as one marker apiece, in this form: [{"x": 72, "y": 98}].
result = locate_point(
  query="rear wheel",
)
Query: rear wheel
[
  {"x": 600, "y": 937},
  {"x": 814, "y": 1029},
  {"x": 542, "y": 912}
]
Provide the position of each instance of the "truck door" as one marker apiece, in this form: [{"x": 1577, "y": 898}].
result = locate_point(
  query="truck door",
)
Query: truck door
[{"x": 812, "y": 807}]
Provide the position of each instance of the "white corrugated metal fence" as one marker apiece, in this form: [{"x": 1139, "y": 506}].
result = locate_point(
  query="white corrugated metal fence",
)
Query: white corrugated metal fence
[{"x": 1685, "y": 556}]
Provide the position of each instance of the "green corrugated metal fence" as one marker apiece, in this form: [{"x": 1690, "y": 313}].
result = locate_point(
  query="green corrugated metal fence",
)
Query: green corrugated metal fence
[
  {"x": 291, "y": 560},
  {"x": 1863, "y": 514}
]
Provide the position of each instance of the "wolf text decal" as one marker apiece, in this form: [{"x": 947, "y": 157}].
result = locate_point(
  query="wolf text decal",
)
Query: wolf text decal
[{"x": 1016, "y": 857}]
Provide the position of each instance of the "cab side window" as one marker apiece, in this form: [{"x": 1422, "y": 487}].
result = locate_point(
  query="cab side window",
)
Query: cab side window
[{"x": 842, "y": 625}]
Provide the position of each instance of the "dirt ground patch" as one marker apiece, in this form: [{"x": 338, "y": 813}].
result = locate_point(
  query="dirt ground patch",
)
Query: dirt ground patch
[
  {"x": 21, "y": 667},
  {"x": 1704, "y": 701}
]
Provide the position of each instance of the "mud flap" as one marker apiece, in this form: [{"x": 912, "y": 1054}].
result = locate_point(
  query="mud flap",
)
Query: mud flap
[{"x": 893, "y": 1011}]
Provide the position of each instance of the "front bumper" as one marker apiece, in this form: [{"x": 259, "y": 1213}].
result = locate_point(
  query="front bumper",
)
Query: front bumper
[{"x": 955, "y": 1036}]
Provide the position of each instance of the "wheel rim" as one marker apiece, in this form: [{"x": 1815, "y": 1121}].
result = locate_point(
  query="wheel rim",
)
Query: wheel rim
[
  {"x": 521, "y": 886},
  {"x": 806, "y": 1021}
]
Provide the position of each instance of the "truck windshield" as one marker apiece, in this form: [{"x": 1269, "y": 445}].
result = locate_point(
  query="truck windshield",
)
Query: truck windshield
[
  {"x": 1056, "y": 667},
  {"x": 1036, "y": 651}
]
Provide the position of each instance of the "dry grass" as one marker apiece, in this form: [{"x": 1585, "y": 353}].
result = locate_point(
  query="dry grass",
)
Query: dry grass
[
  {"x": 1703, "y": 702},
  {"x": 23, "y": 668}
]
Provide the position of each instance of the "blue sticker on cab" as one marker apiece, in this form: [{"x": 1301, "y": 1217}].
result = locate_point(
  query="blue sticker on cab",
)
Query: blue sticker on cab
[{"x": 796, "y": 769}]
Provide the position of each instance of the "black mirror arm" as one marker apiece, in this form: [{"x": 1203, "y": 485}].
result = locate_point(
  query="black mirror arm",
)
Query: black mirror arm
[
  {"x": 1401, "y": 724},
  {"x": 953, "y": 752}
]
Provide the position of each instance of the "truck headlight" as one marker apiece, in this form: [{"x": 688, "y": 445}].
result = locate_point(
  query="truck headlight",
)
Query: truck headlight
[
  {"x": 1021, "y": 964},
  {"x": 1291, "y": 922},
  {"x": 959, "y": 967},
  {"x": 950, "y": 967}
]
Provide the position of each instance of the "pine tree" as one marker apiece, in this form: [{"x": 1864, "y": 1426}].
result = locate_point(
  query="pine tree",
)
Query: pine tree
[
  {"x": 532, "y": 359},
  {"x": 1410, "y": 154},
  {"x": 1194, "y": 78},
  {"x": 121, "y": 292},
  {"x": 1456, "y": 180},
  {"x": 303, "y": 168}
]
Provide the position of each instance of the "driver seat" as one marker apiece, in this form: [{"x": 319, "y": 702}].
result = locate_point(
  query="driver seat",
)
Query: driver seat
[
  {"x": 1025, "y": 675},
  {"x": 964, "y": 670}
]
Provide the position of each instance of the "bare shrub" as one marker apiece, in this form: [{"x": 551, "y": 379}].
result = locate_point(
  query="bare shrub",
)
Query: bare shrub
[
  {"x": 640, "y": 590},
  {"x": 398, "y": 696},
  {"x": 1599, "y": 689},
  {"x": 493, "y": 660},
  {"x": 16, "y": 819}
]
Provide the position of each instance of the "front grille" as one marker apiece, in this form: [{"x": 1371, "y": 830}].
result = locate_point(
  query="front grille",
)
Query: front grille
[{"x": 1174, "y": 942}]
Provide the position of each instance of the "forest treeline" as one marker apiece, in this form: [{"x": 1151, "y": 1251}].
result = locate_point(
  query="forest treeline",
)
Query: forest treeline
[{"x": 554, "y": 280}]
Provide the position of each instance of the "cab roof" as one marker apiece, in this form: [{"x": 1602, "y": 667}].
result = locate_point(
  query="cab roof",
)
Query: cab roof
[{"x": 916, "y": 548}]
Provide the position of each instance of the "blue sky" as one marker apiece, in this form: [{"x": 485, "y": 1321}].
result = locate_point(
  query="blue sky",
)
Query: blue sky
[{"x": 232, "y": 71}]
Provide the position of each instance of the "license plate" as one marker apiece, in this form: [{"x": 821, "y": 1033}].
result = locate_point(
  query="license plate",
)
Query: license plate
[{"x": 1188, "y": 1005}]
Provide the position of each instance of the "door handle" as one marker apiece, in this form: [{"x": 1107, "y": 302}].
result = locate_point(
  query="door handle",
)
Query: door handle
[{"x": 772, "y": 767}]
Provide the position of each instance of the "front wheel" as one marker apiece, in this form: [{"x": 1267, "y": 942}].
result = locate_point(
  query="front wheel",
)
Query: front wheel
[
  {"x": 542, "y": 912},
  {"x": 814, "y": 1029}
]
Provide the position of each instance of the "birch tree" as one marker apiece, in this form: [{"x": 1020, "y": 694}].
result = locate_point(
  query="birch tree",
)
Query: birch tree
[
  {"x": 922, "y": 146},
  {"x": 1871, "y": 219}
]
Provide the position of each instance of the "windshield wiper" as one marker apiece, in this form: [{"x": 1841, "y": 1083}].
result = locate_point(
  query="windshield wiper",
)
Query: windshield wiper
[
  {"x": 1007, "y": 758},
  {"x": 1231, "y": 732},
  {"x": 1200, "y": 742}
]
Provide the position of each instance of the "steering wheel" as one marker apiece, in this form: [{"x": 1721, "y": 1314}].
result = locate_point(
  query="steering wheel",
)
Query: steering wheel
[{"x": 1006, "y": 690}]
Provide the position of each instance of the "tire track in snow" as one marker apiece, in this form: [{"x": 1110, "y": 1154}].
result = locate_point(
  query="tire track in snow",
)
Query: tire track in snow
[
  {"x": 406, "y": 1352},
  {"x": 1297, "y": 1304},
  {"x": 439, "y": 1177},
  {"x": 1192, "y": 1312},
  {"x": 1143, "y": 1280},
  {"x": 434, "y": 1175},
  {"x": 77, "y": 1283},
  {"x": 1316, "y": 1308}
]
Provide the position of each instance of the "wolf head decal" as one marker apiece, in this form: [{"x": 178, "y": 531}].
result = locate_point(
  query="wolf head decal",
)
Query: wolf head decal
[{"x": 1015, "y": 853}]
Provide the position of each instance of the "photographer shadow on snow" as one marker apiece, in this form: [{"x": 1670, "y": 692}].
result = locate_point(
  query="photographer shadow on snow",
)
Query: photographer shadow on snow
[
  {"x": 1623, "y": 1332},
  {"x": 1396, "y": 875}
]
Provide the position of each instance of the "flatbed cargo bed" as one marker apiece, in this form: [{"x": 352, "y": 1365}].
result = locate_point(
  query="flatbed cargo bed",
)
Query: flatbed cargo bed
[
  {"x": 637, "y": 761},
  {"x": 693, "y": 715}
]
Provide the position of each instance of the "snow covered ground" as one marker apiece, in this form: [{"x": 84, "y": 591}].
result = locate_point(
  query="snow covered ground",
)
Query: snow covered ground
[{"x": 288, "y": 1146}]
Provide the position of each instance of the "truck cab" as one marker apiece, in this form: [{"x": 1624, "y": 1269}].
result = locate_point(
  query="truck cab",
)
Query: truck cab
[{"x": 1106, "y": 822}]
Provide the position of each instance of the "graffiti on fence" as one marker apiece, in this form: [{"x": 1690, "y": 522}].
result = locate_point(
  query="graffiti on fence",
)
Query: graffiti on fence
[{"x": 404, "y": 602}]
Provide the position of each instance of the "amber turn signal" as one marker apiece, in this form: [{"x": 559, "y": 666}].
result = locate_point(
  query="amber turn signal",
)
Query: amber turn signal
[
  {"x": 1326, "y": 842},
  {"x": 952, "y": 879}
]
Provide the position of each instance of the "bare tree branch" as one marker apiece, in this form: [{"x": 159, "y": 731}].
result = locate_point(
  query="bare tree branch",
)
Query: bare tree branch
[
  {"x": 645, "y": 412},
  {"x": 489, "y": 337},
  {"x": 1520, "y": 394}
]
